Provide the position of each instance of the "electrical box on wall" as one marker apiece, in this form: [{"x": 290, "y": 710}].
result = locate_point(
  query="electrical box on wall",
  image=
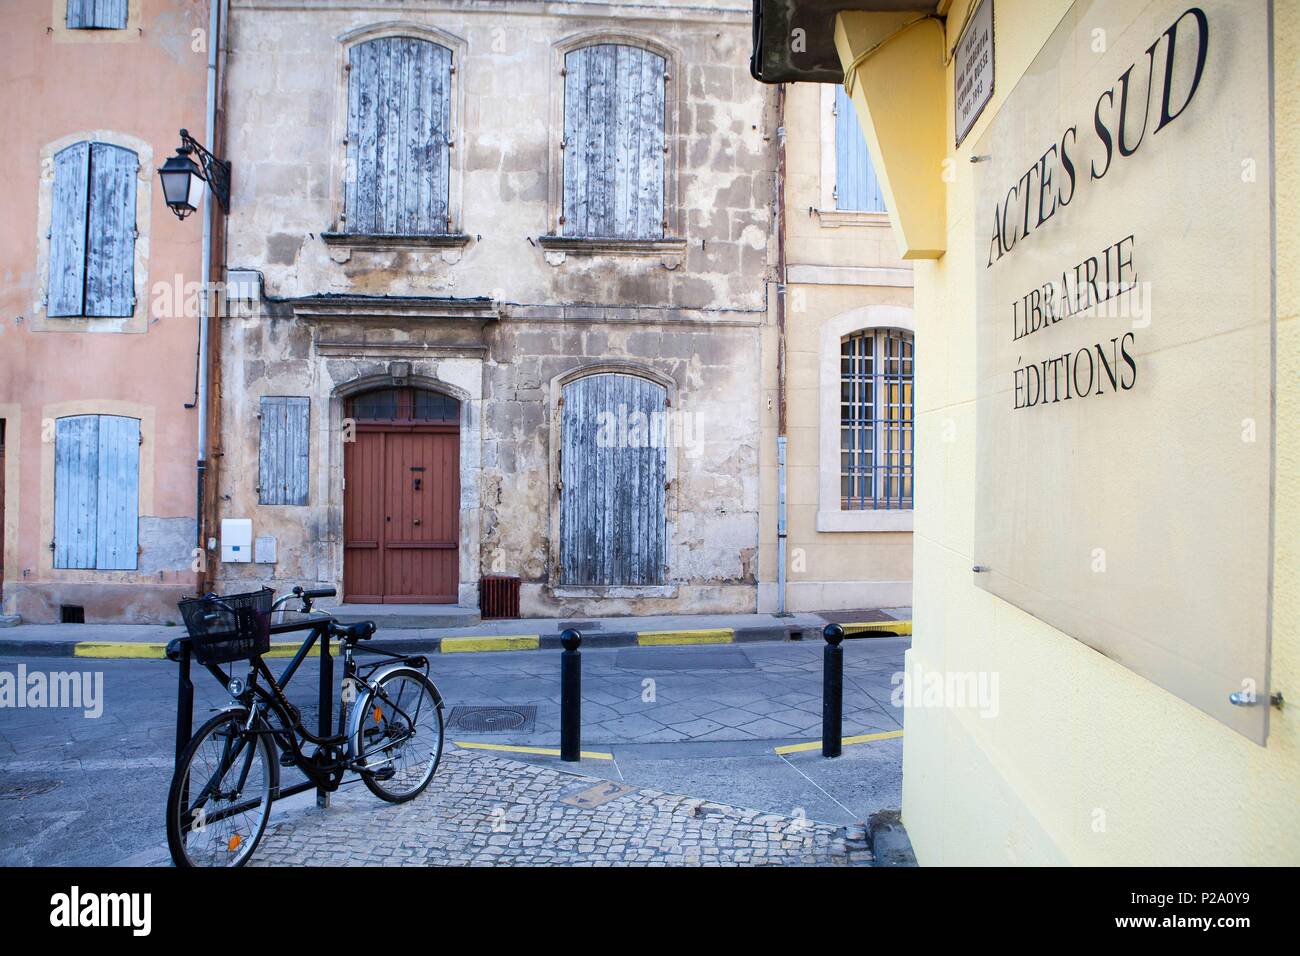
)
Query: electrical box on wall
[
  {"x": 237, "y": 540},
  {"x": 264, "y": 549}
]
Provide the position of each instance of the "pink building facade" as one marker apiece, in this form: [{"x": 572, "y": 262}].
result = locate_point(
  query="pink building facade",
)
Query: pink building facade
[{"x": 98, "y": 309}]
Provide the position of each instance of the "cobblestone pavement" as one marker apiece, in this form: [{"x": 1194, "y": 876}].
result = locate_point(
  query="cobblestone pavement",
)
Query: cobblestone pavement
[
  {"x": 482, "y": 810},
  {"x": 90, "y": 791}
]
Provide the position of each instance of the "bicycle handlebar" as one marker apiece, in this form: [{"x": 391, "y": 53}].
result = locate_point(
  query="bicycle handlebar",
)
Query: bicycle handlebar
[{"x": 298, "y": 591}]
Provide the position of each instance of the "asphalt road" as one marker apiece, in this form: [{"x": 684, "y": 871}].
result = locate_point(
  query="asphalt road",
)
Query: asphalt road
[{"x": 76, "y": 788}]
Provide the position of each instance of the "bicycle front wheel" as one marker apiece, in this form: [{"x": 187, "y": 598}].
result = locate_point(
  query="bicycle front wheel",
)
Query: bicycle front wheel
[
  {"x": 220, "y": 797},
  {"x": 400, "y": 735}
]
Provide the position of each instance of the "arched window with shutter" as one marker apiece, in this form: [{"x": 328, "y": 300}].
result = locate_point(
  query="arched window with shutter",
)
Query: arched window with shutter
[
  {"x": 614, "y": 142},
  {"x": 399, "y": 135},
  {"x": 613, "y": 469}
]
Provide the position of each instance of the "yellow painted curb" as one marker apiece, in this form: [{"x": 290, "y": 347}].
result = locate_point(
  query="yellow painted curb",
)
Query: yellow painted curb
[
  {"x": 817, "y": 744},
  {"x": 119, "y": 649},
  {"x": 136, "y": 650},
  {"x": 899, "y": 628},
  {"x": 514, "y": 642},
  {"x": 717, "y": 635},
  {"x": 541, "y": 751}
]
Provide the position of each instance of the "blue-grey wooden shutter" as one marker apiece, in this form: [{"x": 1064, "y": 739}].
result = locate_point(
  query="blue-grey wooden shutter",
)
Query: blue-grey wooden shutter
[
  {"x": 96, "y": 492},
  {"x": 96, "y": 14},
  {"x": 70, "y": 202},
  {"x": 856, "y": 184},
  {"x": 118, "y": 495},
  {"x": 613, "y": 142},
  {"x": 283, "y": 465},
  {"x": 76, "y": 490},
  {"x": 110, "y": 237},
  {"x": 399, "y": 135},
  {"x": 613, "y": 465}
]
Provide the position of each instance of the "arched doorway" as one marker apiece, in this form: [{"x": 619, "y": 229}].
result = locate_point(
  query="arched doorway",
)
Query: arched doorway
[{"x": 401, "y": 498}]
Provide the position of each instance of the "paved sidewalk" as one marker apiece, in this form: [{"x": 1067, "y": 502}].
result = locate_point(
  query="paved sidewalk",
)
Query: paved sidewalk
[
  {"x": 482, "y": 810},
  {"x": 149, "y": 640}
]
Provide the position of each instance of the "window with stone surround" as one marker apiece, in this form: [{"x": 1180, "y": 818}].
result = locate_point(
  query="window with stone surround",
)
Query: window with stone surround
[
  {"x": 876, "y": 416},
  {"x": 399, "y": 138},
  {"x": 96, "y": 14},
  {"x": 867, "y": 402},
  {"x": 614, "y": 146},
  {"x": 851, "y": 193},
  {"x": 92, "y": 231}
]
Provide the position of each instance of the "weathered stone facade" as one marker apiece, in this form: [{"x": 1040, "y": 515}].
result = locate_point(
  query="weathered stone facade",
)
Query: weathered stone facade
[{"x": 502, "y": 318}]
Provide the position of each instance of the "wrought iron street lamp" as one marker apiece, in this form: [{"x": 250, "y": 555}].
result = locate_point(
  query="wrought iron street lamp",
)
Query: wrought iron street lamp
[{"x": 184, "y": 180}]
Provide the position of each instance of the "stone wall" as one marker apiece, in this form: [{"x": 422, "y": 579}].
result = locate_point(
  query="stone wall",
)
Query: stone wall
[{"x": 688, "y": 311}]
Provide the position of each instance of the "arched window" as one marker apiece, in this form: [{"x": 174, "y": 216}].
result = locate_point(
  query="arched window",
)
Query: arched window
[
  {"x": 403, "y": 405},
  {"x": 613, "y": 142},
  {"x": 92, "y": 231},
  {"x": 399, "y": 131},
  {"x": 877, "y": 404},
  {"x": 613, "y": 466}
]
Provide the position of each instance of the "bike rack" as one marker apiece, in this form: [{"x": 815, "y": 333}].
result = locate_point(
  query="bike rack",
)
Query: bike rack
[{"x": 178, "y": 650}]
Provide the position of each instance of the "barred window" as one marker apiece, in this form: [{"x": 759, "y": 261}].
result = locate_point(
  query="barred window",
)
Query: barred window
[{"x": 876, "y": 415}]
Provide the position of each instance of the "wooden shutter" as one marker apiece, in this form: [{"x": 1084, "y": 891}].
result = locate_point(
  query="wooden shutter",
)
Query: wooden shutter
[
  {"x": 856, "y": 184},
  {"x": 97, "y": 14},
  {"x": 399, "y": 131},
  {"x": 110, "y": 245},
  {"x": 76, "y": 490},
  {"x": 613, "y": 142},
  {"x": 612, "y": 523},
  {"x": 67, "y": 283},
  {"x": 96, "y": 492},
  {"x": 283, "y": 465},
  {"x": 118, "y": 495}
]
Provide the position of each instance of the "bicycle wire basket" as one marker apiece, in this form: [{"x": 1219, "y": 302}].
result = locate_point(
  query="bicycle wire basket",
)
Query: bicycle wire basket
[{"x": 225, "y": 628}]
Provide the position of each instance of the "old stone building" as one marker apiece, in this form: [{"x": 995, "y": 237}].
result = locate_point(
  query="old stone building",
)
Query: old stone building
[{"x": 514, "y": 266}]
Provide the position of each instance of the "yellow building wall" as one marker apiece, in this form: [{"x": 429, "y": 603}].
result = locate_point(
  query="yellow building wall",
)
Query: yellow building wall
[
  {"x": 1086, "y": 762},
  {"x": 825, "y": 570}
]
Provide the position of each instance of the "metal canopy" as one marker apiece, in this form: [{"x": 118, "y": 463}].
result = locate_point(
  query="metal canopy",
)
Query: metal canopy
[{"x": 782, "y": 56}]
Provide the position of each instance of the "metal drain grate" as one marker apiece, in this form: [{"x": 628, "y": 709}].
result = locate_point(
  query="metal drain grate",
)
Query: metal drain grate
[
  {"x": 30, "y": 788},
  {"x": 496, "y": 719}
]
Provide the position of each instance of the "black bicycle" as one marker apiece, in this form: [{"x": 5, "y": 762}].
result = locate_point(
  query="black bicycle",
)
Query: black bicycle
[{"x": 389, "y": 730}]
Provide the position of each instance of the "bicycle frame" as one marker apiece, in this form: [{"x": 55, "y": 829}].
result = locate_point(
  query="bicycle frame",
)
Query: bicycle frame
[{"x": 325, "y": 775}]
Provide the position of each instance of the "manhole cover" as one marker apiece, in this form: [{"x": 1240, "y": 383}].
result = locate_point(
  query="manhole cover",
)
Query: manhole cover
[
  {"x": 499, "y": 719},
  {"x": 31, "y": 788}
]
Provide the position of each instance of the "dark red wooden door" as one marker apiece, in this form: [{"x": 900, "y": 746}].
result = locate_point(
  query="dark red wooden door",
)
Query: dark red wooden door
[{"x": 401, "y": 514}]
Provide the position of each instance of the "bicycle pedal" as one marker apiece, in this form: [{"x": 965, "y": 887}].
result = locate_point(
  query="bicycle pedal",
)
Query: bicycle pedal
[{"x": 287, "y": 760}]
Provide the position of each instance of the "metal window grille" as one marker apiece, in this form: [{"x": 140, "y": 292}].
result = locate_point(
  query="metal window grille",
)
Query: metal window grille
[{"x": 876, "y": 414}]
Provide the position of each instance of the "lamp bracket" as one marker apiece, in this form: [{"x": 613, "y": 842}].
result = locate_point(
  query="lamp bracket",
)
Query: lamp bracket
[{"x": 215, "y": 171}]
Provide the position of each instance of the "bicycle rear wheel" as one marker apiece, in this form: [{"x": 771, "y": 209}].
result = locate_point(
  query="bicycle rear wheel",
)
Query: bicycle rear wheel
[
  {"x": 220, "y": 796},
  {"x": 401, "y": 735}
]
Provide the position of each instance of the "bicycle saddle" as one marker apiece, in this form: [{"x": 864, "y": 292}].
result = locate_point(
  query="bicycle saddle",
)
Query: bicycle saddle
[{"x": 361, "y": 631}]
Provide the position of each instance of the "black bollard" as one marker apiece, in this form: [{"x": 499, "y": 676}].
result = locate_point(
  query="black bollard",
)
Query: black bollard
[
  {"x": 180, "y": 647},
  {"x": 326, "y": 701},
  {"x": 832, "y": 691},
  {"x": 571, "y": 696}
]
